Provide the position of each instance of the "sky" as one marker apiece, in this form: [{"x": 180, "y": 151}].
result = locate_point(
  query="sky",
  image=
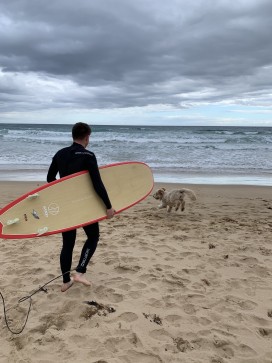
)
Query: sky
[{"x": 136, "y": 62}]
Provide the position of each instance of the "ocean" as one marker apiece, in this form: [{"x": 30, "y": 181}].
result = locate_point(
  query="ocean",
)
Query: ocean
[{"x": 194, "y": 155}]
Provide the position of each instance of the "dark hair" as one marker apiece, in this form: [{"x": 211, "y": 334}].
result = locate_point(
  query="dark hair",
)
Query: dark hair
[{"x": 81, "y": 130}]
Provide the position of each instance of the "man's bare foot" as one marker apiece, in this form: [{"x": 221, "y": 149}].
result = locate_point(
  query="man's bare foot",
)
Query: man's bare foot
[
  {"x": 78, "y": 277},
  {"x": 67, "y": 285}
]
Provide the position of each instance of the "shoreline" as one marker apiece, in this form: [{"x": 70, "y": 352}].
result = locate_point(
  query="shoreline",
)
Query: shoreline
[
  {"x": 185, "y": 180},
  {"x": 37, "y": 183},
  {"x": 160, "y": 176}
]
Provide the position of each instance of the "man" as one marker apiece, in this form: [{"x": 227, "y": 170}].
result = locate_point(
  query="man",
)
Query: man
[{"x": 67, "y": 161}]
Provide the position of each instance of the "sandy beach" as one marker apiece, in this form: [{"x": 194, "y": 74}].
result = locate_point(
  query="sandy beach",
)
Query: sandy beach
[{"x": 192, "y": 286}]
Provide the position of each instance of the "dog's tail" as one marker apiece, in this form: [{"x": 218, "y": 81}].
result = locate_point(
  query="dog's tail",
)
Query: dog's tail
[{"x": 189, "y": 192}]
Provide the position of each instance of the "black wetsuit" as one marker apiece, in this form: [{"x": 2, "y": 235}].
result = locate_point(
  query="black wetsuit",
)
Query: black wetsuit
[{"x": 67, "y": 161}]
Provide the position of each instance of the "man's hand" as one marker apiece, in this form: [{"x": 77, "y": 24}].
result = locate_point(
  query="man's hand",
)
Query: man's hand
[{"x": 110, "y": 213}]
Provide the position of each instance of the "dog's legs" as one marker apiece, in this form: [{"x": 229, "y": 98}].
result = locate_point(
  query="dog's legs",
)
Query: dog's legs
[
  {"x": 182, "y": 207},
  {"x": 169, "y": 209},
  {"x": 177, "y": 206}
]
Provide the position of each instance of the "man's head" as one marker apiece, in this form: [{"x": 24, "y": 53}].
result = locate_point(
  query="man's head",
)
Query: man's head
[{"x": 81, "y": 133}]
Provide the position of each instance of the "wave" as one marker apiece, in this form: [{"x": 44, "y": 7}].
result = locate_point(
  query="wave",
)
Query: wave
[{"x": 170, "y": 150}]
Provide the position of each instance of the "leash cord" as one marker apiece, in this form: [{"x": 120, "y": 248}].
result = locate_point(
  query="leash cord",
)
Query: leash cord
[
  {"x": 6, "y": 319},
  {"x": 41, "y": 288}
]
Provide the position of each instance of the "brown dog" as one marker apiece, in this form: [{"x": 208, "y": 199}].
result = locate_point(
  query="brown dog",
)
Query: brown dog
[{"x": 174, "y": 198}]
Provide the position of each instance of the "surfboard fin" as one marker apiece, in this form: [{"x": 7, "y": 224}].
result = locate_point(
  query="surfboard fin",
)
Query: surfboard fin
[
  {"x": 42, "y": 231},
  {"x": 32, "y": 196},
  {"x": 12, "y": 221}
]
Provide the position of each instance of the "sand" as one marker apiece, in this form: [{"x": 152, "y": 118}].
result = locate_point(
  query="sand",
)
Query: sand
[{"x": 192, "y": 286}]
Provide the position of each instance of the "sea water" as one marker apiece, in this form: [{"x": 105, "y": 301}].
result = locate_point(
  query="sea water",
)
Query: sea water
[{"x": 197, "y": 155}]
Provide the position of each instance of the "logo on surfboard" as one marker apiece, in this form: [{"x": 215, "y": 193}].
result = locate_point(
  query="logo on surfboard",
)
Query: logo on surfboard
[{"x": 53, "y": 209}]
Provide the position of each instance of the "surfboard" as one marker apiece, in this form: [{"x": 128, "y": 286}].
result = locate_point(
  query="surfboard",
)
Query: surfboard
[{"x": 71, "y": 202}]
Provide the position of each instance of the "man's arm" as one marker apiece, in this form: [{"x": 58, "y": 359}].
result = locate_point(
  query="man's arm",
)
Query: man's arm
[
  {"x": 101, "y": 190},
  {"x": 97, "y": 181},
  {"x": 52, "y": 171}
]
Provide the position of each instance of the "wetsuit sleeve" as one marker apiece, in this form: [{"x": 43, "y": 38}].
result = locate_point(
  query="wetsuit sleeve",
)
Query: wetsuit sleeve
[
  {"x": 52, "y": 171},
  {"x": 97, "y": 181}
]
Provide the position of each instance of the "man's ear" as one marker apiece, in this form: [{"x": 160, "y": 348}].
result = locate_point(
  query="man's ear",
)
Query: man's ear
[{"x": 87, "y": 140}]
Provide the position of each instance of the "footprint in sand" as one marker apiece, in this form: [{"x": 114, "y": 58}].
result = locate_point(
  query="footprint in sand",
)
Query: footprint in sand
[
  {"x": 224, "y": 346},
  {"x": 246, "y": 351},
  {"x": 189, "y": 309},
  {"x": 173, "y": 320},
  {"x": 265, "y": 332},
  {"x": 182, "y": 344},
  {"x": 243, "y": 304},
  {"x": 140, "y": 285},
  {"x": 127, "y": 269},
  {"x": 128, "y": 317},
  {"x": 109, "y": 294},
  {"x": 160, "y": 334},
  {"x": 125, "y": 287}
]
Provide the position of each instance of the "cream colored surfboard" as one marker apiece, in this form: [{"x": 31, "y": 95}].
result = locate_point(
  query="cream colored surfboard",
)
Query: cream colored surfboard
[{"x": 71, "y": 202}]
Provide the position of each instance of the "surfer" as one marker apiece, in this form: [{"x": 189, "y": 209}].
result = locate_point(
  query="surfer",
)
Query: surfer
[{"x": 67, "y": 161}]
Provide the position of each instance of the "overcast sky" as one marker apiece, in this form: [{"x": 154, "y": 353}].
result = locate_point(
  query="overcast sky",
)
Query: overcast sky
[{"x": 175, "y": 62}]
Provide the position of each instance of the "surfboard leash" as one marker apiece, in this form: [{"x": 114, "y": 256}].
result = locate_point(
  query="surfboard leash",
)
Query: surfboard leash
[
  {"x": 41, "y": 288},
  {"x": 6, "y": 319}
]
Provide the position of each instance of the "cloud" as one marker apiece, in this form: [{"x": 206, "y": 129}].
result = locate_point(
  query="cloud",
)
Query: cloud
[{"x": 110, "y": 54}]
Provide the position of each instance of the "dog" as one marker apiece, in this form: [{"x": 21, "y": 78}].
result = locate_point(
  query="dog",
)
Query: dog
[{"x": 174, "y": 198}]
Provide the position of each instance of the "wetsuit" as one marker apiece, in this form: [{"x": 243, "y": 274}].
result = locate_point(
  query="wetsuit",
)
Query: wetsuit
[{"x": 67, "y": 161}]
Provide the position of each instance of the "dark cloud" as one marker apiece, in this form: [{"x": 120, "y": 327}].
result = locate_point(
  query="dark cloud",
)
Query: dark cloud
[{"x": 122, "y": 53}]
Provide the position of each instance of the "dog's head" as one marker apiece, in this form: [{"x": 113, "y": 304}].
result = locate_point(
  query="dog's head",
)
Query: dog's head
[{"x": 159, "y": 194}]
